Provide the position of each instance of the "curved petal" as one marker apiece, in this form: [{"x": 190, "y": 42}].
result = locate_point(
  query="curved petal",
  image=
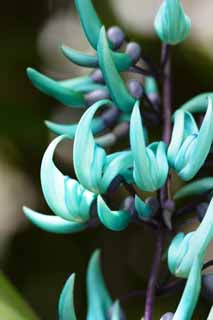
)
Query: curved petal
[
  {"x": 53, "y": 224},
  {"x": 66, "y": 302},
  {"x": 99, "y": 300},
  {"x": 198, "y": 103},
  {"x": 89, "y": 174},
  {"x": 80, "y": 58},
  {"x": 141, "y": 162},
  {"x": 70, "y": 130},
  {"x": 90, "y": 21},
  {"x": 201, "y": 147},
  {"x": 171, "y": 23},
  {"x": 113, "y": 220},
  {"x": 54, "y": 89},
  {"x": 143, "y": 209},
  {"x": 184, "y": 125},
  {"x": 191, "y": 293},
  {"x": 64, "y": 196},
  {"x": 197, "y": 187},
  {"x": 117, "y": 165},
  {"x": 122, "y": 60},
  {"x": 82, "y": 84},
  {"x": 115, "y": 84},
  {"x": 183, "y": 250}
]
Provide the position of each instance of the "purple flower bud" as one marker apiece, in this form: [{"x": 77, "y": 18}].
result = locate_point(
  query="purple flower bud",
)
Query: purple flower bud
[
  {"x": 135, "y": 88},
  {"x": 116, "y": 36},
  {"x": 96, "y": 95},
  {"x": 97, "y": 76},
  {"x": 134, "y": 51},
  {"x": 110, "y": 116},
  {"x": 201, "y": 210},
  {"x": 207, "y": 287},
  {"x": 167, "y": 316}
]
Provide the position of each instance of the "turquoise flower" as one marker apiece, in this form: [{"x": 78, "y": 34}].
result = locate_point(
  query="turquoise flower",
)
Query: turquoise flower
[
  {"x": 115, "y": 83},
  {"x": 171, "y": 23},
  {"x": 191, "y": 293},
  {"x": 100, "y": 169},
  {"x": 100, "y": 305},
  {"x": 68, "y": 200},
  {"x": 195, "y": 188},
  {"x": 184, "y": 249},
  {"x": 190, "y": 146},
  {"x": 150, "y": 162},
  {"x": 92, "y": 25}
]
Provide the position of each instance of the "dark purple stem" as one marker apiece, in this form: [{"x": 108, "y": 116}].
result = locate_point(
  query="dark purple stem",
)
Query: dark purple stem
[
  {"x": 151, "y": 290},
  {"x": 164, "y": 193}
]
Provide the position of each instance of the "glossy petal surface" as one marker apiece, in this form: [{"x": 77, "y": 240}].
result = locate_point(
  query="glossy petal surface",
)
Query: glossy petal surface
[
  {"x": 113, "y": 220},
  {"x": 99, "y": 300},
  {"x": 150, "y": 163},
  {"x": 53, "y": 224},
  {"x": 115, "y": 83},
  {"x": 171, "y": 23},
  {"x": 55, "y": 89},
  {"x": 197, "y": 187},
  {"x": 66, "y": 302},
  {"x": 65, "y": 196}
]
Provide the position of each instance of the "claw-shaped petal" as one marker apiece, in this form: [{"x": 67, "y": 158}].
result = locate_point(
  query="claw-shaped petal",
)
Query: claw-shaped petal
[
  {"x": 189, "y": 146},
  {"x": 150, "y": 163},
  {"x": 197, "y": 187},
  {"x": 113, "y": 220},
  {"x": 198, "y": 103},
  {"x": 143, "y": 209},
  {"x": 81, "y": 84},
  {"x": 184, "y": 249},
  {"x": 70, "y": 130},
  {"x": 65, "y": 196},
  {"x": 122, "y": 60},
  {"x": 100, "y": 169},
  {"x": 116, "y": 311},
  {"x": 66, "y": 307},
  {"x": 115, "y": 83},
  {"x": 55, "y": 89},
  {"x": 191, "y": 293},
  {"x": 171, "y": 23},
  {"x": 53, "y": 224},
  {"x": 90, "y": 21},
  {"x": 99, "y": 300}
]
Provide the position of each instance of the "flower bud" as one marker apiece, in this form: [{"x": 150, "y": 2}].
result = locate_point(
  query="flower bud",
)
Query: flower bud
[
  {"x": 171, "y": 23},
  {"x": 116, "y": 36}
]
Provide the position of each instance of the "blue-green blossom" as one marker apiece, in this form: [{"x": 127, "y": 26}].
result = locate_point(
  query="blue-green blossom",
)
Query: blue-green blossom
[
  {"x": 171, "y": 23},
  {"x": 115, "y": 83},
  {"x": 184, "y": 249},
  {"x": 99, "y": 170},
  {"x": 98, "y": 299},
  {"x": 197, "y": 103},
  {"x": 113, "y": 220},
  {"x": 68, "y": 200},
  {"x": 195, "y": 188},
  {"x": 150, "y": 162},
  {"x": 190, "y": 146},
  {"x": 191, "y": 293}
]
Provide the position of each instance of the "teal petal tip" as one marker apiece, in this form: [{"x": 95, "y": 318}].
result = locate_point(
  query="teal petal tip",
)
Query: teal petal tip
[{"x": 66, "y": 302}]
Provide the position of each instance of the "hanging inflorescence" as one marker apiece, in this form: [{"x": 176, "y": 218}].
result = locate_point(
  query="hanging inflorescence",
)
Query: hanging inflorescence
[{"x": 129, "y": 108}]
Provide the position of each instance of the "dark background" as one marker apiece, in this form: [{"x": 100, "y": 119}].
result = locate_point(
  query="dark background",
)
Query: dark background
[{"x": 38, "y": 263}]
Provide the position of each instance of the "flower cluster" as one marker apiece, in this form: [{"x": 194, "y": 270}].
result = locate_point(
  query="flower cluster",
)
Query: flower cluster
[{"x": 126, "y": 109}]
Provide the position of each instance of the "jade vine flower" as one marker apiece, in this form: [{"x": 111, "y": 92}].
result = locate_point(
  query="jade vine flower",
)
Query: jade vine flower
[
  {"x": 190, "y": 146},
  {"x": 69, "y": 201},
  {"x": 100, "y": 305},
  {"x": 171, "y": 23},
  {"x": 150, "y": 162},
  {"x": 100, "y": 169},
  {"x": 184, "y": 249}
]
